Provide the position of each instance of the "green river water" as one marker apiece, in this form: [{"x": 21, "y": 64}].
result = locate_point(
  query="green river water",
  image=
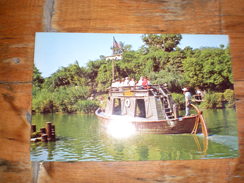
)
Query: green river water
[{"x": 81, "y": 138}]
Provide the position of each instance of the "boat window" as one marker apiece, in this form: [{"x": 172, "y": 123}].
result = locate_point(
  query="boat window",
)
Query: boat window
[
  {"x": 140, "y": 108},
  {"x": 117, "y": 106}
]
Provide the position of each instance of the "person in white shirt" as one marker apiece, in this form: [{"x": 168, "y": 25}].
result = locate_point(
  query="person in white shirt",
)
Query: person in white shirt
[
  {"x": 132, "y": 82},
  {"x": 140, "y": 81},
  {"x": 121, "y": 84},
  {"x": 126, "y": 81},
  {"x": 187, "y": 100},
  {"x": 117, "y": 83},
  {"x": 199, "y": 94}
]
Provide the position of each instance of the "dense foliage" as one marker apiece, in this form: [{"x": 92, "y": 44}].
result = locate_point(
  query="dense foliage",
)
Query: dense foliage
[{"x": 160, "y": 58}]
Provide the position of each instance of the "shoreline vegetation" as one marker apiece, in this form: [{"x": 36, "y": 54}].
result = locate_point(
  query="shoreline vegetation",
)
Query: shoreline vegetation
[{"x": 75, "y": 89}]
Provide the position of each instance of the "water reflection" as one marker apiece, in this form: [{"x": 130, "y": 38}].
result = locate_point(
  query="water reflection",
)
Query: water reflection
[
  {"x": 143, "y": 152},
  {"x": 158, "y": 147},
  {"x": 221, "y": 121},
  {"x": 83, "y": 139},
  {"x": 201, "y": 150}
]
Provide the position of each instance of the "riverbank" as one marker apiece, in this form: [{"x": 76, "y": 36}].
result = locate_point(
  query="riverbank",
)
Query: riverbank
[
  {"x": 211, "y": 100},
  {"x": 65, "y": 100},
  {"x": 74, "y": 100}
]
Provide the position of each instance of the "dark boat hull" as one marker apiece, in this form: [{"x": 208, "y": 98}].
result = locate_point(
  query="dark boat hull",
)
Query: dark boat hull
[{"x": 174, "y": 126}]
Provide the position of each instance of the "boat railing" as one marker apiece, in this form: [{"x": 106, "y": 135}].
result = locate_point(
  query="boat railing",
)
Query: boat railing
[
  {"x": 151, "y": 89},
  {"x": 134, "y": 88}
]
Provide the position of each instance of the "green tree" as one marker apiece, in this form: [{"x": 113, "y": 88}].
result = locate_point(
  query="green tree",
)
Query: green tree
[
  {"x": 104, "y": 77},
  {"x": 73, "y": 75},
  {"x": 209, "y": 68},
  {"x": 166, "y": 42},
  {"x": 130, "y": 65},
  {"x": 169, "y": 75},
  {"x": 92, "y": 69},
  {"x": 38, "y": 80},
  {"x": 159, "y": 58}
]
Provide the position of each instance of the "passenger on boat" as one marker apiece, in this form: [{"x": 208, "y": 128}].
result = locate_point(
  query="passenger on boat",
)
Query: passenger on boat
[
  {"x": 187, "y": 100},
  {"x": 132, "y": 82},
  {"x": 139, "y": 83},
  {"x": 148, "y": 81},
  {"x": 122, "y": 82},
  {"x": 126, "y": 81},
  {"x": 145, "y": 83},
  {"x": 115, "y": 85}
]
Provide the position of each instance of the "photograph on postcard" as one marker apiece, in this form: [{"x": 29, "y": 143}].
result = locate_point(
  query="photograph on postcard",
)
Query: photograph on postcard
[{"x": 132, "y": 97}]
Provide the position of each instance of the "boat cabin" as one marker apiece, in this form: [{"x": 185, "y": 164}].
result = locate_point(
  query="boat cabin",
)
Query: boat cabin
[{"x": 152, "y": 103}]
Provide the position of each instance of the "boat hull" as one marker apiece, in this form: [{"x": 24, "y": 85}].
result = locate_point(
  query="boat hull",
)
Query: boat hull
[{"x": 173, "y": 126}]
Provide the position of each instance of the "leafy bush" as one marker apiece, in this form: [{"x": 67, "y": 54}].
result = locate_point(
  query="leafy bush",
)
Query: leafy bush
[
  {"x": 87, "y": 106},
  {"x": 179, "y": 100},
  {"x": 102, "y": 100},
  {"x": 63, "y": 99},
  {"x": 219, "y": 100},
  {"x": 213, "y": 100},
  {"x": 43, "y": 102},
  {"x": 210, "y": 101},
  {"x": 229, "y": 97}
]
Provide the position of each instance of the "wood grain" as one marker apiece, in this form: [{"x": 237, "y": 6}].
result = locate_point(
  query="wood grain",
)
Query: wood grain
[
  {"x": 20, "y": 20},
  {"x": 138, "y": 16},
  {"x": 148, "y": 171}
]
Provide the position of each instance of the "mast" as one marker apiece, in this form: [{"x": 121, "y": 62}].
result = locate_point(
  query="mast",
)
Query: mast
[
  {"x": 117, "y": 55},
  {"x": 113, "y": 69}
]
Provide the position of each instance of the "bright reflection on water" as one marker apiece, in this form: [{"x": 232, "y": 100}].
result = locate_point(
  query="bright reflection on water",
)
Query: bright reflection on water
[
  {"x": 82, "y": 138},
  {"x": 120, "y": 129}
]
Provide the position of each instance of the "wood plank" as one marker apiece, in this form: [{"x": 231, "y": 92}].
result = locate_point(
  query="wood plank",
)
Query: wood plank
[
  {"x": 15, "y": 101},
  {"x": 137, "y": 16},
  {"x": 237, "y": 57},
  {"x": 232, "y": 16},
  {"x": 140, "y": 171},
  {"x": 20, "y": 20}
]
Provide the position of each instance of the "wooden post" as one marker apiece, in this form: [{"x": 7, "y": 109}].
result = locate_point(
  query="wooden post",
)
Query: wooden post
[
  {"x": 175, "y": 110},
  {"x": 44, "y": 137},
  {"x": 113, "y": 69},
  {"x": 33, "y": 128},
  {"x": 43, "y": 130},
  {"x": 53, "y": 133},
  {"x": 49, "y": 130}
]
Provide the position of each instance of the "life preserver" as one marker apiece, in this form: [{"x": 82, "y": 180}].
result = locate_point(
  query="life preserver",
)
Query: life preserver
[{"x": 127, "y": 102}]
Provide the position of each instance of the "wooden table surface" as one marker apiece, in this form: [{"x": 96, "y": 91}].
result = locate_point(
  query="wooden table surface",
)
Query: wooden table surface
[{"x": 21, "y": 19}]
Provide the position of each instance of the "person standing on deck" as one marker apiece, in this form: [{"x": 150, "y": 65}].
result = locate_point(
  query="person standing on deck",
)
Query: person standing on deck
[{"x": 187, "y": 100}]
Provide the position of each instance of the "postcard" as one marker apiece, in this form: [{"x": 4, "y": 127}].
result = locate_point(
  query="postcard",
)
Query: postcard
[{"x": 132, "y": 97}]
